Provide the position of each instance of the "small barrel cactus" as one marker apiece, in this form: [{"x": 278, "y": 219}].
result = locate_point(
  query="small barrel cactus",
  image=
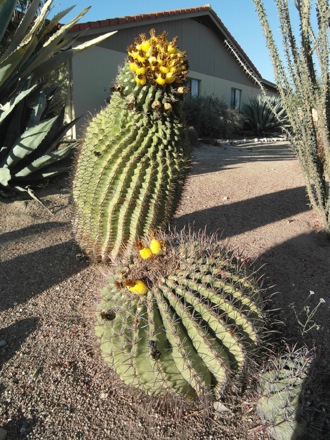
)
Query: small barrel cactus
[
  {"x": 281, "y": 389},
  {"x": 135, "y": 155},
  {"x": 183, "y": 320}
]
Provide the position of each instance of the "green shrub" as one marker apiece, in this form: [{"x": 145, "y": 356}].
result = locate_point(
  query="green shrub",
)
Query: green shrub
[{"x": 211, "y": 117}]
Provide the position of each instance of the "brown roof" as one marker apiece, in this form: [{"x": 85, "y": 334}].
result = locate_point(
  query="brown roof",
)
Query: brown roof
[
  {"x": 137, "y": 18},
  {"x": 204, "y": 12}
]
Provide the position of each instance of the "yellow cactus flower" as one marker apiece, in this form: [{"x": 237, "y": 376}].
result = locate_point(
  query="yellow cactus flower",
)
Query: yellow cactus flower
[
  {"x": 141, "y": 80},
  {"x": 160, "y": 80},
  {"x": 138, "y": 287},
  {"x": 140, "y": 70},
  {"x": 145, "y": 253},
  {"x": 155, "y": 246},
  {"x": 157, "y": 60}
]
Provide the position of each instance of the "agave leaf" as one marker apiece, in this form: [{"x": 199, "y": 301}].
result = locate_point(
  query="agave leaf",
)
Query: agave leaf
[
  {"x": 32, "y": 195},
  {"x": 7, "y": 7},
  {"x": 38, "y": 22},
  {"x": 23, "y": 27},
  {"x": 96, "y": 40},
  {"x": 9, "y": 64},
  {"x": 5, "y": 176},
  {"x": 55, "y": 20},
  {"x": 44, "y": 161},
  {"x": 28, "y": 142},
  {"x": 9, "y": 106},
  {"x": 54, "y": 141},
  {"x": 65, "y": 28},
  {"x": 37, "y": 109},
  {"x": 65, "y": 55}
]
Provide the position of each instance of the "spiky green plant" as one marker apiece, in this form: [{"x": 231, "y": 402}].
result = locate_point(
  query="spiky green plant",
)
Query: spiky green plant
[
  {"x": 281, "y": 393},
  {"x": 181, "y": 316},
  {"x": 135, "y": 155},
  {"x": 263, "y": 116},
  {"x": 29, "y": 136},
  {"x": 303, "y": 83}
]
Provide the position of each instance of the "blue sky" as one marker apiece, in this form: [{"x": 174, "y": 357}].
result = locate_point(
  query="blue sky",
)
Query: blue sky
[{"x": 239, "y": 16}]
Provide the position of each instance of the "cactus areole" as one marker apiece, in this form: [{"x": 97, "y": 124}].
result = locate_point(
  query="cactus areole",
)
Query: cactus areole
[
  {"x": 134, "y": 159},
  {"x": 184, "y": 321}
]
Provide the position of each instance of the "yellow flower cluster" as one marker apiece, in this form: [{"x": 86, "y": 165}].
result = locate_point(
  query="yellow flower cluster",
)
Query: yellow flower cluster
[{"x": 157, "y": 60}]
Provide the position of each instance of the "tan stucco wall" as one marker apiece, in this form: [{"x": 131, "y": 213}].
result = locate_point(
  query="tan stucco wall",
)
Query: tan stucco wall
[
  {"x": 95, "y": 70},
  {"x": 93, "y": 73},
  {"x": 209, "y": 85}
]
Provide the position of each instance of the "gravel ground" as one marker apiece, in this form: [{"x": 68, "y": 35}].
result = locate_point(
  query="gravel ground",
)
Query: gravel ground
[{"x": 53, "y": 383}]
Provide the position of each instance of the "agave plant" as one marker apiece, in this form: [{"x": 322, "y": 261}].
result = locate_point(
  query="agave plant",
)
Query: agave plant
[
  {"x": 265, "y": 115},
  {"x": 29, "y": 136}
]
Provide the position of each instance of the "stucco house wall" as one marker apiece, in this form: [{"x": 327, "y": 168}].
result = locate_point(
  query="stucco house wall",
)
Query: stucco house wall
[{"x": 200, "y": 33}]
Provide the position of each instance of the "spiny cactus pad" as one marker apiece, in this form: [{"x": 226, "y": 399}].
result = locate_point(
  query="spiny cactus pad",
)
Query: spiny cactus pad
[
  {"x": 281, "y": 387},
  {"x": 194, "y": 326},
  {"x": 135, "y": 155}
]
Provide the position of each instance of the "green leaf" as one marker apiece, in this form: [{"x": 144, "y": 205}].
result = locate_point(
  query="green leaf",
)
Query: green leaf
[
  {"x": 44, "y": 161},
  {"x": 23, "y": 27},
  {"x": 5, "y": 176},
  {"x": 29, "y": 141},
  {"x": 9, "y": 106},
  {"x": 96, "y": 40},
  {"x": 7, "y": 7}
]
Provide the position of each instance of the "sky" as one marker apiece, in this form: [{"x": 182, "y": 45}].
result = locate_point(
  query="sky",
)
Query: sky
[{"x": 239, "y": 16}]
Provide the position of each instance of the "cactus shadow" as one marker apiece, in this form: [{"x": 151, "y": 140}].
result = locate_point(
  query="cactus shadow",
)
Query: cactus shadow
[
  {"x": 40, "y": 228},
  {"x": 20, "y": 426},
  {"x": 212, "y": 158},
  {"x": 236, "y": 218},
  {"x": 314, "y": 401},
  {"x": 28, "y": 275},
  {"x": 14, "y": 335}
]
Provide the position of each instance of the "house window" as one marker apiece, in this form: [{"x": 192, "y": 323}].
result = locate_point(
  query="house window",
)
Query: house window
[
  {"x": 193, "y": 85},
  {"x": 235, "y": 100}
]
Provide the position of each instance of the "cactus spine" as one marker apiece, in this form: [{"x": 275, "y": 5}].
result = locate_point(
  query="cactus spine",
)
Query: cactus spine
[
  {"x": 194, "y": 327},
  {"x": 134, "y": 159}
]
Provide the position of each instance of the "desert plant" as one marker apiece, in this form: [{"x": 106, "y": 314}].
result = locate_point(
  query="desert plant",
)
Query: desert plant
[
  {"x": 281, "y": 387},
  {"x": 182, "y": 315},
  {"x": 264, "y": 115},
  {"x": 29, "y": 136},
  {"x": 303, "y": 84},
  {"x": 210, "y": 116},
  {"x": 135, "y": 156}
]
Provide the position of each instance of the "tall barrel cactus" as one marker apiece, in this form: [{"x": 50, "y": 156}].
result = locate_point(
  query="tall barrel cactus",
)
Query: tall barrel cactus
[
  {"x": 183, "y": 318},
  {"x": 134, "y": 159}
]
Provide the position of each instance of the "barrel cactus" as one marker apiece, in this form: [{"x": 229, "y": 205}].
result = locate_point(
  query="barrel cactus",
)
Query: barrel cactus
[
  {"x": 183, "y": 320},
  {"x": 135, "y": 156},
  {"x": 281, "y": 390}
]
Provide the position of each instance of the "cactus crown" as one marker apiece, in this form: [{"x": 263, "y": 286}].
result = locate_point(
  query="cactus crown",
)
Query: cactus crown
[{"x": 156, "y": 60}]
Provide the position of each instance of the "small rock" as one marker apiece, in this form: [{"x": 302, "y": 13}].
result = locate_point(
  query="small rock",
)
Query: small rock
[
  {"x": 220, "y": 407},
  {"x": 3, "y": 343},
  {"x": 3, "y": 434},
  {"x": 225, "y": 198}
]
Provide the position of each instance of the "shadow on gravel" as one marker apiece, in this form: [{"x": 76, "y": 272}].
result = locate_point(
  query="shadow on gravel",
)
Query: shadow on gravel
[
  {"x": 13, "y": 336},
  {"x": 28, "y": 275},
  {"x": 208, "y": 158},
  {"x": 314, "y": 400},
  {"x": 40, "y": 228},
  {"x": 19, "y": 427},
  {"x": 236, "y": 218}
]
